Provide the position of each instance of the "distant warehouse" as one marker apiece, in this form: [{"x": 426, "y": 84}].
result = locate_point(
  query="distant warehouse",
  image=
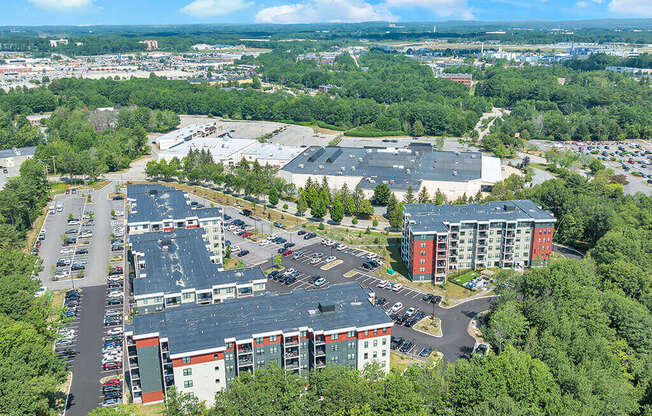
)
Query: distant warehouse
[
  {"x": 231, "y": 151},
  {"x": 417, "y": 166}
]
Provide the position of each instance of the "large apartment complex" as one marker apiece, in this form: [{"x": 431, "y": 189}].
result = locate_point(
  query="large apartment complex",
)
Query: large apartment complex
[
  {"x": 174, "y": 268},
  {"x": 199, "y": 350},
  {"x": 440, "y": 238},
  {"x": 154, "y": 208}
]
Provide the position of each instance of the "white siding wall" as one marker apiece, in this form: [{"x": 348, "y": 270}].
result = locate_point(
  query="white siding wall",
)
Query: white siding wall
[
  {"x": 203, "y": 378},
  {"x": 370, "y": 349}
]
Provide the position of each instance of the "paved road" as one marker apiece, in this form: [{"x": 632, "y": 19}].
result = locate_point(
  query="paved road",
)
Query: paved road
[
  {"x": 567, "y": 252},
  {"x": 455, "y": 342},
  {"x": 85, "y": 386}
]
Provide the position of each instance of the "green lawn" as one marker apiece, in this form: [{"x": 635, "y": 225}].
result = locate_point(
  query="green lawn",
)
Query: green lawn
[{"x": 463, "y": 278}]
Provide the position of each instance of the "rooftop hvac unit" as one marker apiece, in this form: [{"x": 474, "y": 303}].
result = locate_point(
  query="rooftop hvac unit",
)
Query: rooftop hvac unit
[
  {"x": 321, "y": 166},
  {"x": 301, "y": 165},
  {"x": 359, "y": 159},
  {"x": 326, "y": 308},
  {"x": 352, "y": 167},
  {"x": 343, "y": 168},
  {"x": 454, "y": 172}
]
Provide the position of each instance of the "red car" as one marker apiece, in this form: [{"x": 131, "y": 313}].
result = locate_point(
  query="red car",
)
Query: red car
[
  {"x": 112, "y": 365},
  {"x": 247, "y": 234},
  {"x": 112, "y": 382},
  {"x": 288, "y": 252}
]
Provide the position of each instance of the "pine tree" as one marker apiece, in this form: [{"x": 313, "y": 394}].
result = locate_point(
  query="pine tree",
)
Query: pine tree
[
  {"x": 418, "y": 129},
  {"x": 391, "y": 204},
  {"x": 440, "y": 197},
  {"x": 423, "y": 197},
  {"x": 409, "y": 196},
  {"x": 337, "y": 209}
]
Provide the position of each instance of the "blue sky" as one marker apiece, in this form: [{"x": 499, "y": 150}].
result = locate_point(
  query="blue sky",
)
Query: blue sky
[{"x": 80, "y": 12}]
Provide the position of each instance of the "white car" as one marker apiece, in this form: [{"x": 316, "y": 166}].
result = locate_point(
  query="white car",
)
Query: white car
[
  {"x": 264, "y": 243},
  {"x": 62, "y": 273},
  {"x": 114, "y": 331},
  {"x": 397, "y": 307},
  {"x": 324, "y": 241},
  {"x": 331, "y": 258},
  {"x": 315, "y": 260},
  {"x": 289, "y": 271},
  {"x": 115, "y": 294},
  {"x": 382, "y": 283},
  {"x": 235, "y": 249},
  {"x": 66, "y": 251},
  {"x": 340, "y": 247},
  {"x": 114, "y": 278},
  {"x": 371, "y": 256},
  {"x": 411, "y": 311},
  {"x": 396, "y": 287}
]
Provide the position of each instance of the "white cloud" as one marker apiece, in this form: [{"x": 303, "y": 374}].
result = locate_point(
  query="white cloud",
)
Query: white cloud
[
  {"x": 62, "y": 4},
  {"x": 581, "y": 4},
  {"x": 444, "y": 8},
  {"x": 209, "y": 8},
  {"x": 325, "y": 11},
  {"x": 638, "y": 8}
]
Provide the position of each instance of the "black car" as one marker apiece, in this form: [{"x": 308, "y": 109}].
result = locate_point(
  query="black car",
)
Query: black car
[
  {"x": 272, "y": 274},
  {"x": 114, "y": 301},
  {"x": 410, "y": 322},
  {"x": 309, "y": 236},
  {"x": 288, "y": 245},
  {"x": 281, "y": 240},
  {"x": 396, "y": 342},
  {"x": 381, "y": 301},
  {"x": 290, "y": 279},
  {"x": 246, "y": 212},
  {"x": 82, "y": 251},
  {"x": 71, "y": 231},
  {"x": 77, "y": 266},
  {"x": 227, "y": 217},
  {"x": 314, "y": 278},
  {"x": 301, "y": 232},
  {"x": 243, "y": 253},
  {"x": 281, "y": 250},
  {"x": 113, "y": 395},
  {"x": 427, "y": 297}
]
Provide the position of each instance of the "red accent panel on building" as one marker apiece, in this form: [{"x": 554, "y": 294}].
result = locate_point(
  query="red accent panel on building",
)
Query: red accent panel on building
[
  {"x": 147, "y": 342},
  {"x": 416, "y": 257},
  {"x": 153, "y": 396},
  {"x": 192, "y": 226},
  {"x": 344, "y": 336},
  {"x": 168, "y": 229},
  {"x": 199, "y": 359},
  {"x": 381, "y": 332},
  {"x": 541, "y": 249}
]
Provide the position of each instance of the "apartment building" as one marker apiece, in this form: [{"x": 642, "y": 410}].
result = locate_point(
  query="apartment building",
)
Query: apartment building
[
  {"x": 199, "y": 350},
  {"x": 175, "y": 268},
  {"x": 508, "y": 234},
  {"x": 466, "y": 79},
  {"x": 154, "y": 208}
]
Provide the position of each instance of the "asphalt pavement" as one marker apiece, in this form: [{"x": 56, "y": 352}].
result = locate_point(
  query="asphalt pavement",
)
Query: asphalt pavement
[{"x": 455, "y": 342}]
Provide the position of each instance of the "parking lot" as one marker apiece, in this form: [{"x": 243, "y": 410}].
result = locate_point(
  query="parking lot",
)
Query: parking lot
[
  {"x": 95, "y": 310},
  {"x": 455, "y": 342}
]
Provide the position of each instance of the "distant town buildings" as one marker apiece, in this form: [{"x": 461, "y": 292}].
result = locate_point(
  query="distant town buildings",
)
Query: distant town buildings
[
  {"x": 440, "y": 238},
  {"x": 466, "y": 79},
  {"x": 56, "y": 42}
]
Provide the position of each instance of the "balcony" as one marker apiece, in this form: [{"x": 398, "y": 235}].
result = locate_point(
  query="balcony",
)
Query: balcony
[
  {"x": 291, "y": 342},
  {"x": 320, "y": 340},
  {"x": 292, "y": 364},
  {"x": 244, "y": 350},
  {"x": 510, "y": 234},
  {"x": 320, "y": 351},
  {"x": 320, "y": 363},
  {"x": 483, "y": 227},
  {"x": 136, "y": 387},
  {"x": 454, "y": 236},
  {"x": 441, "y": 247},
  {"x": 243, "y": 362},
  {"x": 482, "y": 242},
  {"x": 133, "y": 363},
  {"x": 292, "y": 354},
  {"x": 483, "y": 234},
  {"x": 135, "y": 375}
]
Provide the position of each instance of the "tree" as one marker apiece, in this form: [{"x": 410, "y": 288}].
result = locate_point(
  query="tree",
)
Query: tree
[
  {"x": 318, "y": 209},
  {"x": 409, "y": 196},
  {"x": 507, "y": 326},
  {"x": 273, "y": 196},
  {"x": 365, "y": 209},
  {"x": 337, "y": 209},
  {"x": 182, "y": 404},
  {"x": 255, "y": 84},
  {"x": 381, "y": 194},
  {"x": 302, "y": 206},
  {"x": 423, "y": 196},
  {"x": 396, "y": 216},
  {"x": 417, "y": 129},
  {"x": 278, "y": 261},
  {"x": 440, "y": 197}
]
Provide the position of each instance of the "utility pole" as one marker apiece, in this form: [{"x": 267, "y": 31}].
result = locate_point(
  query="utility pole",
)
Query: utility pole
[{"x": 54, "y": 164}]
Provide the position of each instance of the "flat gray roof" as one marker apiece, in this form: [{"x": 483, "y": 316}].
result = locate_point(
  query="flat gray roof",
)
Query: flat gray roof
[
  {"x": 431, "y": 217},
  {"x": 195, "y": 327},
  {"x": 157, "y": 203},
  {"x": 399, "y": 167},
  {"x": 17, "y": 151},
  {"x": 179, "y": 260}
]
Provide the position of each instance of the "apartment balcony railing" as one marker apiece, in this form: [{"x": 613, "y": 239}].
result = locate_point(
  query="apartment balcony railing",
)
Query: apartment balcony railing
[
  {"x": 320, "y": 340},
  {"x": 320, "y": 351},
  {"x": 245, "y": 362},
  {"x": 290, "y": 342},
  {"x": 294, "y": 354}
]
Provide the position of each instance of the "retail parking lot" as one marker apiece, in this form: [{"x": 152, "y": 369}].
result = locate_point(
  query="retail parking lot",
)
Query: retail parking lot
[{"x": 455, "y": 342}]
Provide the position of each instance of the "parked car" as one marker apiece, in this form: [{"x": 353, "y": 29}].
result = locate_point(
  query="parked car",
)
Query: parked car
[
  {"x": 81, "y": 251},
  {"x": 397, "y": 287},
  {"x": 301, "y": 232},
  {"x": 243, "y": 253},
  {"x": 320, "y": 282},
  {"x": 397, "y": 307}
]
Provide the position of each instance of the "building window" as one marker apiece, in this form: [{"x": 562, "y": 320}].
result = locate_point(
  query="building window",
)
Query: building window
[
  {"x": 423, "y": 253},
  {"x": 272, "y": 338},
  {"x": 216, "y": 355},
  {"x": 366, "y": 344},
  {"x": 185, "y": 360},
  {"x": 217, "y": 368},
  {"x": 366, "y": 356},
  {"x": 303, "y": 334},
  {"x": 187, "y": 384},
  {"x": 334, "y": 337},
  {"x": 334, "y": 347},
  {"x": 375, "y": 343},
  {"x": 375, "y": 354},
  {"x": 422, "y": 261},
  {"x": 384, "y": 353},
  {"x": 422, "y": 269},
  {"x": 366, "y": 333},
  {"x": 260, "y": 340},
  {"x": 217, "y": 381},
  {"x": 423, "y": 245},
  {"x": 187, "y": 371},
  {"x": 351, "y": 334},
  {"x": 384, "y": 341},
  {"x": 187, "y": 296}
]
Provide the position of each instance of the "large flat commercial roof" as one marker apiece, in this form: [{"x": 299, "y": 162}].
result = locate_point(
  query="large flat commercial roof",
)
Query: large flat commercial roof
[
  {"x": 398, "y": 167},
  {"x": 226, "y": 148},
  {"x": 191, "y": 328},
  {"x": 431, "y": 217},
  {"x": 153, "y": 203},
  {"x": 179, "y": 260},
  {"x": 17, "y": 151}
]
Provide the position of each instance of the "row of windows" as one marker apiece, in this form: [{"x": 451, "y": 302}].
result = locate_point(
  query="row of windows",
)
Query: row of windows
[{"x": 375, "y": 354}]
